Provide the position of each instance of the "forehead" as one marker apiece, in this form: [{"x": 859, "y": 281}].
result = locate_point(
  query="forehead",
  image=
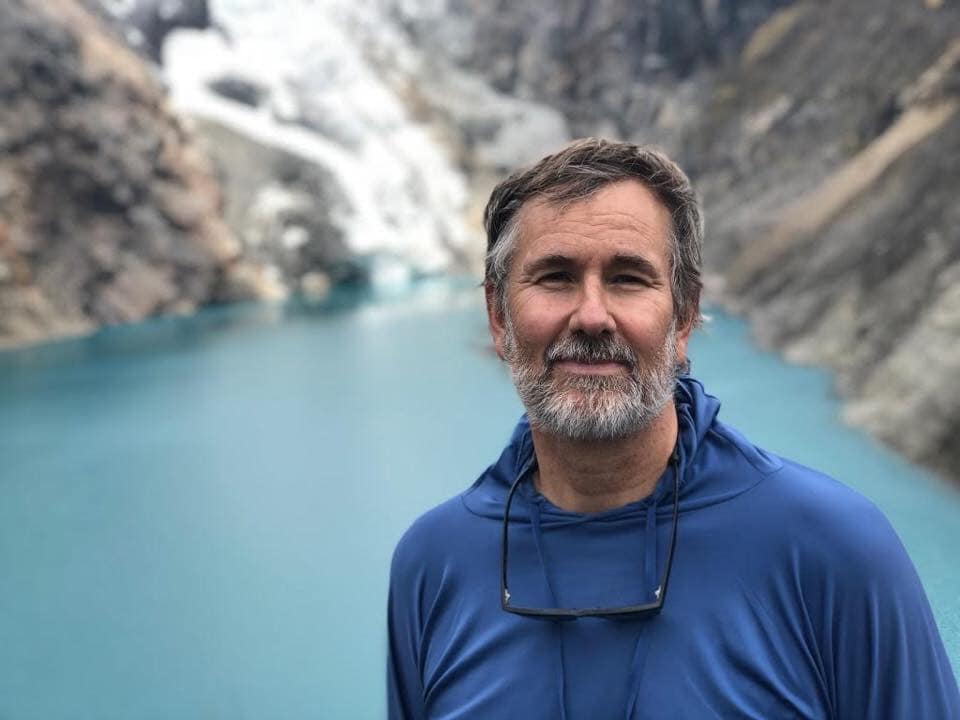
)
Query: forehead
[{"x": 621, "y": 216}]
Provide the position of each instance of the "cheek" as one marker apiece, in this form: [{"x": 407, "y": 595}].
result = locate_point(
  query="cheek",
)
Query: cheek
[
  {"x": 539, "y": 314},
  {"x": 535, "y": 334},
  {"x": 646, "y": 333}
]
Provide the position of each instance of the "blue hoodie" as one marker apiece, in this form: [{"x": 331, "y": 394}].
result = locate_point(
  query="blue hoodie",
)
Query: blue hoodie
[{"x": 790, "y": 597}]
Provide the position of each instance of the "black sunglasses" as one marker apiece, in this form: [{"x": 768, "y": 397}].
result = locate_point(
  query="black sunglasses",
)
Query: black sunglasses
[{"x": 629, "y": 611}]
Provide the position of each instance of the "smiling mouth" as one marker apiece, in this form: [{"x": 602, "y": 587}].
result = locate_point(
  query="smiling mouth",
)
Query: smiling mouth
[{"x": 602, "y": 367}]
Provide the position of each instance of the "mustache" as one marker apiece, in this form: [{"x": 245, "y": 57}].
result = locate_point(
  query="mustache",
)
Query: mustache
[{"x": 586, "y": 349}]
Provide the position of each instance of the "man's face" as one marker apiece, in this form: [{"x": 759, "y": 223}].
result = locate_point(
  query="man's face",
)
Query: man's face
[{"x": 588, "y": 329}]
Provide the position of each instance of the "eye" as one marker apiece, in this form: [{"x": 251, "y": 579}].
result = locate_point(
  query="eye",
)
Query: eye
[
  {"x": 557, "y": 277},
  {"x": 625, "y": 279}
]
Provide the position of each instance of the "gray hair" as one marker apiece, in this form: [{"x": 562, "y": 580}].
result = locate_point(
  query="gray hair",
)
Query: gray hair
[{"x": 577, "y": 172}]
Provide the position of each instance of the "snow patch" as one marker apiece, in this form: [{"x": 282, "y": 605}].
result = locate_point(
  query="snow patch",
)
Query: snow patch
[{"x": 327, "y": 103}]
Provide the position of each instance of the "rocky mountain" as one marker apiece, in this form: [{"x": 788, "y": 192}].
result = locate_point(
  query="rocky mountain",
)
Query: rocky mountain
[
  {"x": 825, "y": 140},
  {"x": 830, "y": 171},
  {"x": 608, "y": 65},
  {"x": 109, "y": 212},
  {"x": 327, "y": 169}
]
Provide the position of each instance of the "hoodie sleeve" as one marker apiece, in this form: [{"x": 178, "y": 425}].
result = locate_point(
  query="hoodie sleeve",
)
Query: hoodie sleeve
[
  {"x": 884, "y": 656},
  {"x": 404, "y": 683}
]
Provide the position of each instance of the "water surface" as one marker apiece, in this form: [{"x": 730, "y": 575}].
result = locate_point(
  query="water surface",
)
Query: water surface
[{"x": 197, "y": 515}]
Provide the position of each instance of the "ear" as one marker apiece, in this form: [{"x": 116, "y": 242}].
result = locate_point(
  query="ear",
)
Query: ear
[
  {"x": 683, "y": 337},
  {"x": 495, "y": 320}
]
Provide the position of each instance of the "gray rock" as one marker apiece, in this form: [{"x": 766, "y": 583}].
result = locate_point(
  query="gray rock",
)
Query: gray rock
[
  {"x": 284, "y": 208},
  {"x": 240, "y": 89},
  {"x": 148, "y": 22},
  {"x": 108, "y": 212},
  {"x": 829, "y": 171}
]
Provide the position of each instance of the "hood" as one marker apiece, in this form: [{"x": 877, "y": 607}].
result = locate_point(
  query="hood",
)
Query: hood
[{"x": 703, "y": 446}]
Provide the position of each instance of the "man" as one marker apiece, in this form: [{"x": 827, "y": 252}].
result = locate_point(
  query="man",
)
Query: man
[{"x": 789, "y": 596}]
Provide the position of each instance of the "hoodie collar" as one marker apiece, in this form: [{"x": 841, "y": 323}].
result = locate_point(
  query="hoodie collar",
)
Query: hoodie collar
[{"x": 702, "y": 480}]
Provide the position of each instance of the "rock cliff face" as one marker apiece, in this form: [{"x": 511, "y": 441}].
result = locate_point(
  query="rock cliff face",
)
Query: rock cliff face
[
  {"x": 108, "y": 211},
  {"x": 829, "y": 160},
  {"x": 825, "y": 140},
  {"x": 608, "y": 65}
]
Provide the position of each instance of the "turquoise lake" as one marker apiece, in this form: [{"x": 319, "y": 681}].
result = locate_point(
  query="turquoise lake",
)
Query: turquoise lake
[{"x": 197, "y": 515}]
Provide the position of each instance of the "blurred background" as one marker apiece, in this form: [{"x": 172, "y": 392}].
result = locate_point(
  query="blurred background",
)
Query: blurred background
[{"x": 243, "y": 345}]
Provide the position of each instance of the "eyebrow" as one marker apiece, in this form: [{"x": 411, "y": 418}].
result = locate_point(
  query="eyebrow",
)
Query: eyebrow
[
  {"x": 637, "y": 263},
  {"x": 546, "y": 262}
]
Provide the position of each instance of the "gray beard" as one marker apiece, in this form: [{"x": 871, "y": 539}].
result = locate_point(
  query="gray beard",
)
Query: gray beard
[{"x": 593, "y": 407}]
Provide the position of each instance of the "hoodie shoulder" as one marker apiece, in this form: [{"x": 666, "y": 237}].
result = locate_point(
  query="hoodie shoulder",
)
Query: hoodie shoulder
[
  {"x": 842, "y": 519},
  {"x": 429, "y": 530},
  {"x": 840, "y": 538},
  {"x": 455, "y": 523},
  {"x": 802, "y": 506}
]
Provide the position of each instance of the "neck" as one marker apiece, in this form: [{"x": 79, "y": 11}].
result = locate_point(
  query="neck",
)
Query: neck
[{"x": 595, "y": 475}]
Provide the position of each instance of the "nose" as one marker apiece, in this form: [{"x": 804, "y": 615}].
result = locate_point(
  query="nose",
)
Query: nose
[{"x": 592, "y": 314}]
